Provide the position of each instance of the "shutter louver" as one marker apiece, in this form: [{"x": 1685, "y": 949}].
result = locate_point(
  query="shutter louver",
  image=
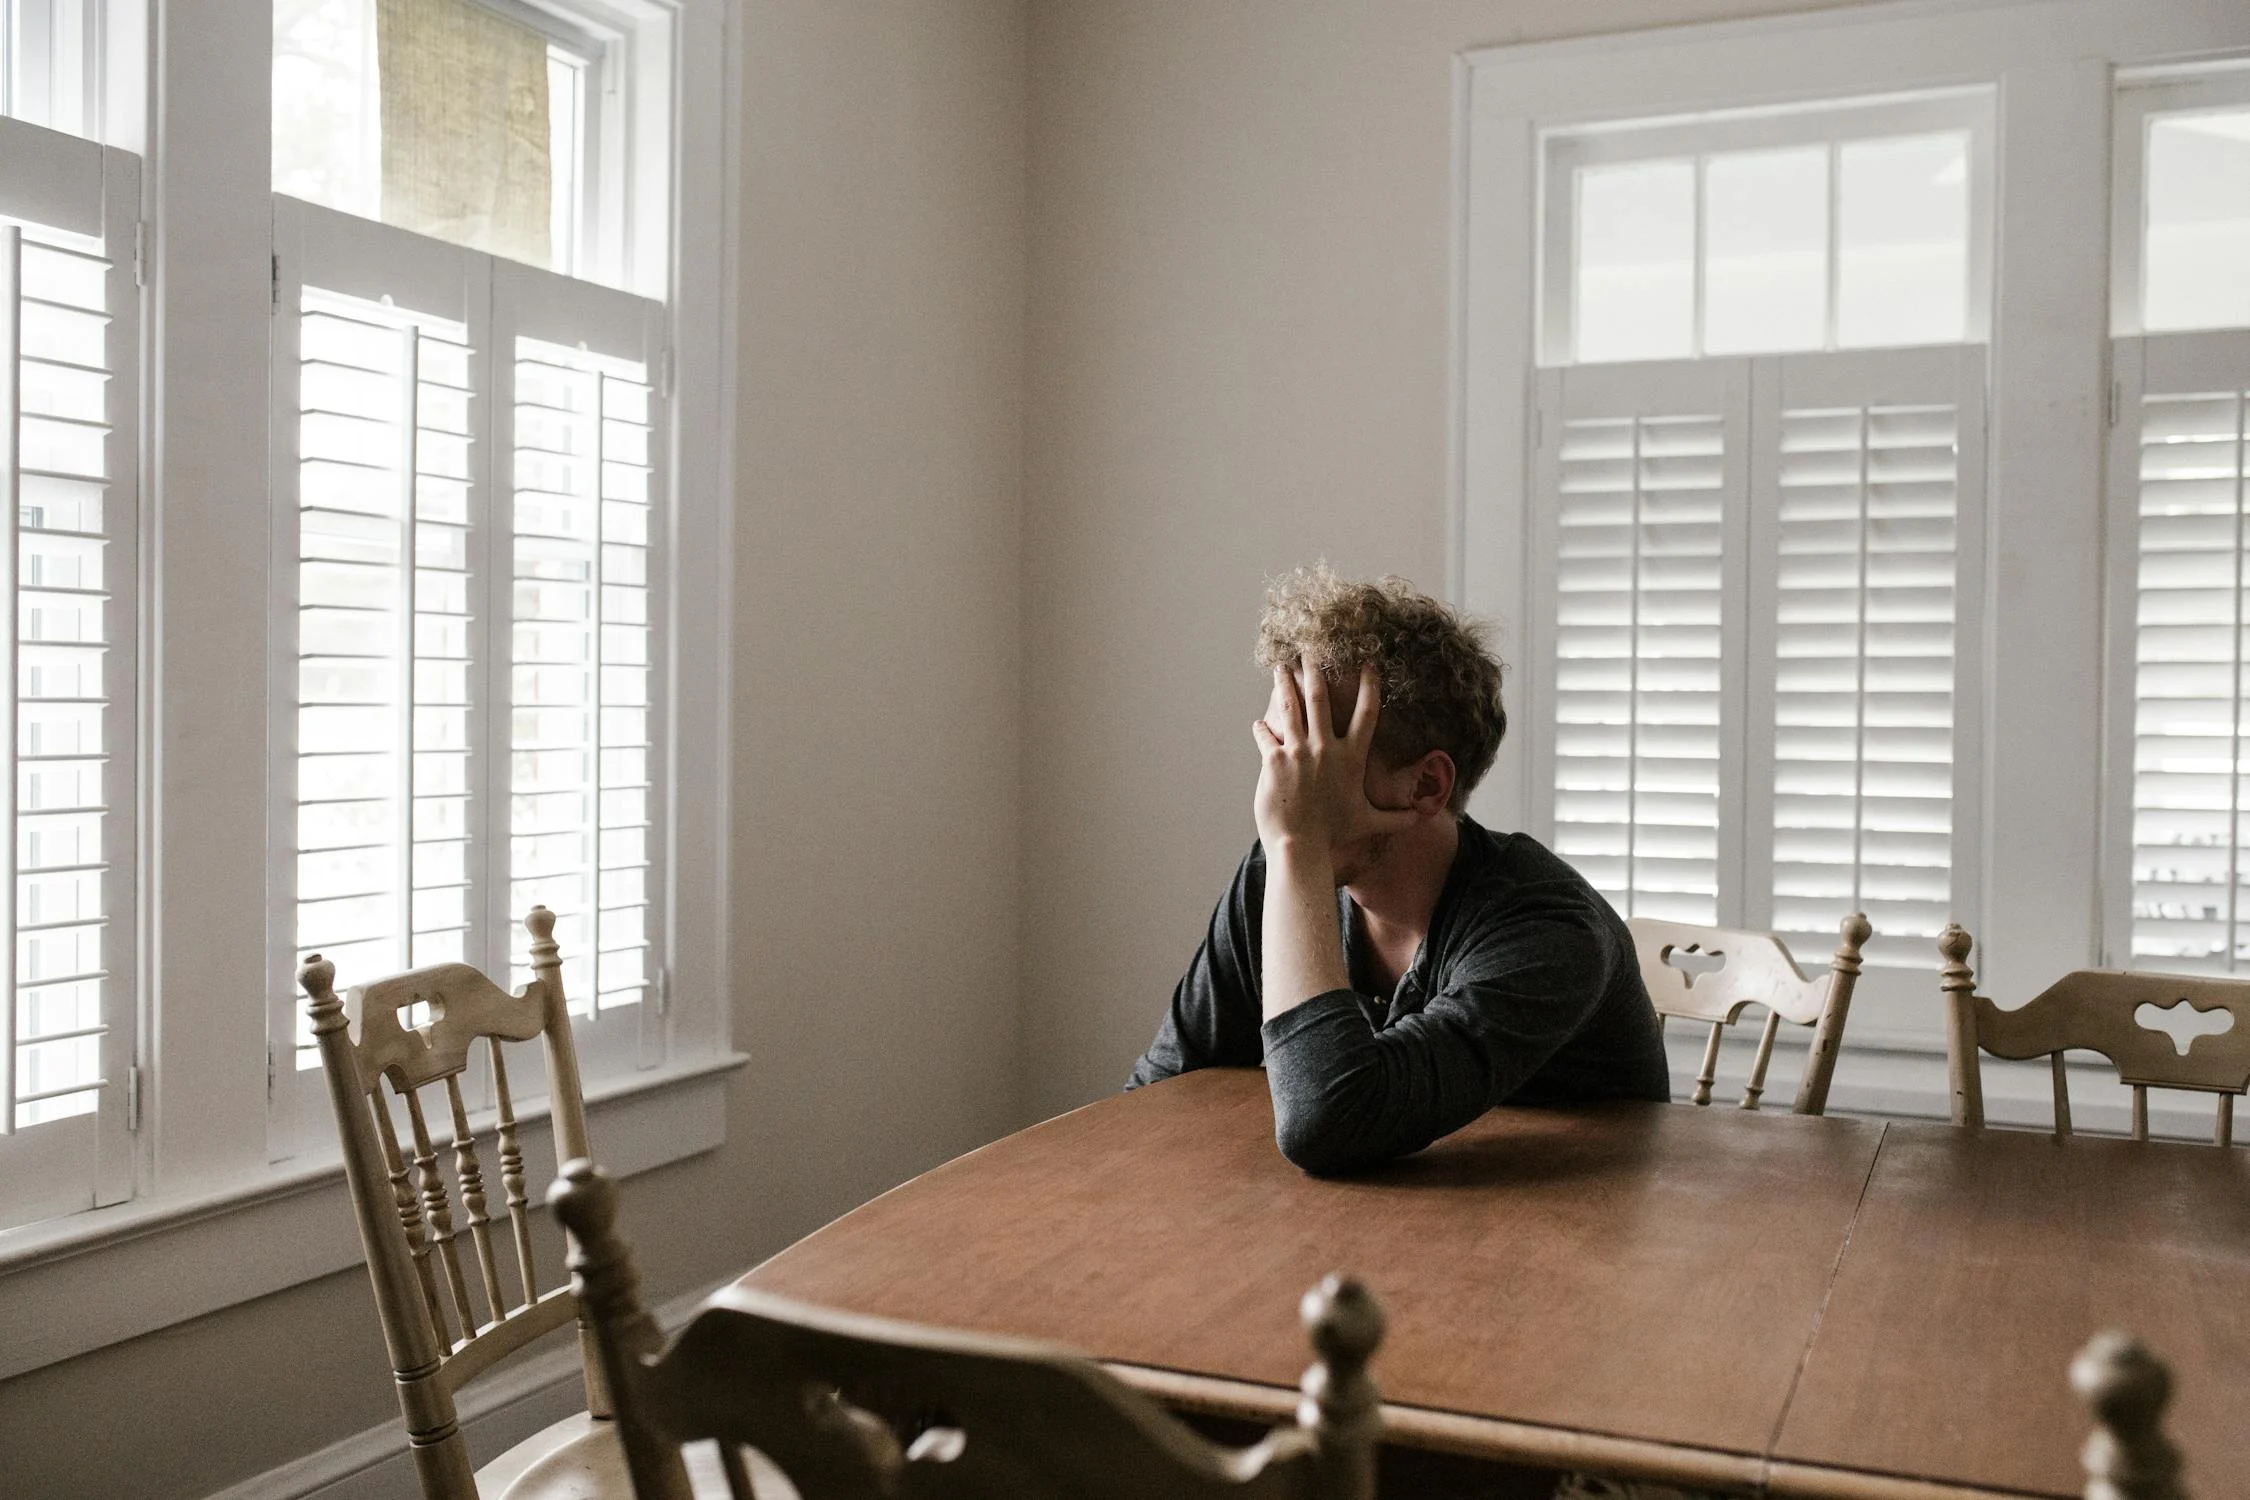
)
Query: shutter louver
[
  {"x": 2188, "y": 693},
  {"x": 1864, "y": 675},
  {"x": 71, "y": 669},
  {"x": 384, "y": 632},
  {"x": 1637, "y": 644},
  {"x": 581, "y": 771}
]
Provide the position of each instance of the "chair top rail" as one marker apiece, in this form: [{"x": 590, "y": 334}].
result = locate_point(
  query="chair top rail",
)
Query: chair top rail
[
  {"x": 2094, "y": 1010},
  {"x": 1712, "y": 973},
  {"x": 465, "y": 1007}
]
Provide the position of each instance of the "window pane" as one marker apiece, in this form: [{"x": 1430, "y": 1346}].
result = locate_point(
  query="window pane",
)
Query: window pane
[
  {"x": 430, "y": 114},
  {"x": 1765, "y": 249},
  {"x": 1903, "y": 256},
  {"x": 2197, "y": 262},
  {"x": 44, "y": 61},
  {"x": 1635, "y": 282}
]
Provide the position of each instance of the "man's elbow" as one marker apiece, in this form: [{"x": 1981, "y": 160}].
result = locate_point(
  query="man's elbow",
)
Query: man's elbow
[{"x": 1320, "y": 1144}]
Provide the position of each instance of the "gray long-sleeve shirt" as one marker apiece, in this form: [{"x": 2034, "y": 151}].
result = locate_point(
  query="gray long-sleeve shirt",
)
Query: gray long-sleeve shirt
[{"x": 1525, "y": 991}]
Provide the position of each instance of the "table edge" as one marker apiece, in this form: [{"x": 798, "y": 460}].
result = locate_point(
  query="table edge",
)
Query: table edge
[{"x": 1557, "y": 1447}]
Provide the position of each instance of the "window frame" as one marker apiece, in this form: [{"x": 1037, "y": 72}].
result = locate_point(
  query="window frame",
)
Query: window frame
[
  {"x": 206, "y": 1192},
  {"x": 2042, "y": 646}
]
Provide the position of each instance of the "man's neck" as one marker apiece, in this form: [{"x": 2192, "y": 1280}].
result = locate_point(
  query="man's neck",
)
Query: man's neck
[{"x": 1398, "y": 894}]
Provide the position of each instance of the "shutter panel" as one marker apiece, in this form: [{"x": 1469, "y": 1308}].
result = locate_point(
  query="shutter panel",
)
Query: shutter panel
[
  {"x": 1643, "y": 469},
  {"x": 1860, "y": 503},
  {"x": 69, "y": 341},
  {"x": 584, "y": 774},
  {"x": 384, "y": 630},
  {"x": 2182, "y": 457}
]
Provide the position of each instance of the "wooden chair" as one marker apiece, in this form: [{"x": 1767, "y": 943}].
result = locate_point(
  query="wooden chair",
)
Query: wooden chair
[
  {"x": 2128, "y": 1456},
  {"x": 448, "y": 1313},
  {"x": 2096, "y": 1010},
  {"x": 1710, "y": 974},
  {"x": 844, "y": 1405}
]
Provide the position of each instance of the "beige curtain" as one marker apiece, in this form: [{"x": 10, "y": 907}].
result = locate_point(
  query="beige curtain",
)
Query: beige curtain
[{"x": 465, "y": 143}]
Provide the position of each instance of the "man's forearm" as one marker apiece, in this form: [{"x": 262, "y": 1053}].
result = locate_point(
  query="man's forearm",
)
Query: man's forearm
[{"x": 1303, "y": 946}]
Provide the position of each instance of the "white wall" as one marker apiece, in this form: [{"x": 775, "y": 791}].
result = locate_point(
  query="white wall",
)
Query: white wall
[
  {"x": 1240, "y": 227},
  {"x": 876, "y": 735}
]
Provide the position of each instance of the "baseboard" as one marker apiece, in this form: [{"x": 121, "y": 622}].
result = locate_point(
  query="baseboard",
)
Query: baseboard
[{"x": 496, "y": 1413}]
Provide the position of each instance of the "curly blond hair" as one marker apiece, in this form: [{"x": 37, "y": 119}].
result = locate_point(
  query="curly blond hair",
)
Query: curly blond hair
[{"x": 1441, "y": 684}]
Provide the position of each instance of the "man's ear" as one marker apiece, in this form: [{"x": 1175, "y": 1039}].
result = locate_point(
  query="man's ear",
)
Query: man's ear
[{"x": 1434, "y": 777}]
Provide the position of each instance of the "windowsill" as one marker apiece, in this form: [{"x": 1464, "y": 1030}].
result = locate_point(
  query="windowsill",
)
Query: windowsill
[{"x": 90, "y": 1279}]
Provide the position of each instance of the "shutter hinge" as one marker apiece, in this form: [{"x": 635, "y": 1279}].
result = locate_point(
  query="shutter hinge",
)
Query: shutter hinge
[
  {"x": 133, "y": 1100},
  {"x": 1538, "y": 429},
  {"x": 664, "y": 375},
  {"x": 664, "y": 991},
  {"x": 140, "y": 252},
  {"x": 277, "y": 281},
  {"x": 270, "y": 1073},
  {"x": 2116, "y": 401}
]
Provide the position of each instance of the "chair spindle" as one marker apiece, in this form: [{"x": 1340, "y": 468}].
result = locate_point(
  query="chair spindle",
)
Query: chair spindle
[
  {"x": 2062, "y": 1095},
  {"x": 1340, "y": 1404},
  {"x": 409, "y": 1214},
  {"x": 2140, "y": 1111},
  {"x": 470, "y": 1174},
  {"x": 1757, "y": 1085},
  {"x": 2223, "y": 1133},
  {"x": 2128, "y": 1456},
  {"x": 737, "y": 1472},
  {"x": 511, "y": 1174},
  {"x": 1710, "y": 1070},
  {"x": 438, "y": 1212},
  {"x": 1959, "y": 985}
]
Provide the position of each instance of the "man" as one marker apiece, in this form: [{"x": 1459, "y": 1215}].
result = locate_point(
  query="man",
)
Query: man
[{"x": 1397, "y": 968}]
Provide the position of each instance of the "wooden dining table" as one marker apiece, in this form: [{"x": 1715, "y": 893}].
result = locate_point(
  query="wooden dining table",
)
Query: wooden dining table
[{"x": 1818, "y": 1307}]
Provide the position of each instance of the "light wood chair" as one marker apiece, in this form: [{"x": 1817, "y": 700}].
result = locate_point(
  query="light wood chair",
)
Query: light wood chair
[
  {"x": 2128, "y": 1456},
  {"x": 844, "y": 1405},
  {"x": 2095, "y": 1010},
  {"x": 1710, "y": 974},
  {"x": 448, "y": 1313}
]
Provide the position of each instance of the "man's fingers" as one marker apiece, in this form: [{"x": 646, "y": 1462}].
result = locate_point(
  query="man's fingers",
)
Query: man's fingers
[
  {"x": 1263, "y": 733},
  {"x": 1368, "y": 705},
  {"x": 1319, "y": 726},
  {"x": 1291, "y": 729}
]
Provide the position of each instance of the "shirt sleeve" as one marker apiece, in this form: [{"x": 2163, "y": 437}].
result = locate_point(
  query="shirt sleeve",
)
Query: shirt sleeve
[
  {"x": 1347, "y": 1096},
  {"x": 1213, "y": 1019}
]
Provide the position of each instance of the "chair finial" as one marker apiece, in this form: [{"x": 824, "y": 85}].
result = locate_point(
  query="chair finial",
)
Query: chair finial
[
  {"x": 1856, "y": 930},
  {"x": 2127, "y": 1457},
  {"x": 1340, "y": 1405},
  {"x": 540, "y": 923},
  {"x": 1953, "y": 943},
  {"x": 585, "y": 1200},
  {"x": 317, "y": 977}
]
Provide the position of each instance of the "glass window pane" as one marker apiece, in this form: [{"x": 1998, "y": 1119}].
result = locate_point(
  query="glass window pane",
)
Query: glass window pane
[
  {"x": 1903, "y": 231},
  {"x": 2197, "y": 261},
  {"x": 1765, "y": 250},
  {"x": 434, "y": 115},
  {"x": 1635, "y": 282}
]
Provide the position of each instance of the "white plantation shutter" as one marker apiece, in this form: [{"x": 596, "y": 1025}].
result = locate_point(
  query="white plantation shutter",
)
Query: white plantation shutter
[
  {"x": 584, "y": 542},
  {"x": 1753, "y": 575},
  {"x": 1868, "y": 480},
  {"x": 470, "y": 518},
  {"x": 2178, "y": 458},
  {"x": 69, "y": 342},
  {"x": 1646, "y": 470}
]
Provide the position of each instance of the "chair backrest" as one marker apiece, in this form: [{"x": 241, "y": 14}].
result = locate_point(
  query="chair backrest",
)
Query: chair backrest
[
  {"x": 1710, "y": 974},
  {"x": 855, "y": 1406},
  {"x": 2096, "y": 1010},
  {"x": 441, "y": 1326},
  {"x": 2128, "y": 1456}
]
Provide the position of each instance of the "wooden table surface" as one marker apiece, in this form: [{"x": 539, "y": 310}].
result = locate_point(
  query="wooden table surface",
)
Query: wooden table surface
[{"x": 1641, "y": 1288}]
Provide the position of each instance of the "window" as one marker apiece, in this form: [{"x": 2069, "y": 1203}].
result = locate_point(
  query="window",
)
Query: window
[
  {"x": 69, "y": 343},
  {"x": 50, "y": 53},
  {"x": 1757, "y": 561},
  {"x": 366, "y": 121},
  {"x": 1794, "y": 354},
  {"x": 2178, "y": 474}
]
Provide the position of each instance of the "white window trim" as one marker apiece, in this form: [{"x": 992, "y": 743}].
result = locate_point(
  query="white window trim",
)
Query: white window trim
[
  {"x": 2053, "y": 64},
  {"x": 205, "y": 1193}
]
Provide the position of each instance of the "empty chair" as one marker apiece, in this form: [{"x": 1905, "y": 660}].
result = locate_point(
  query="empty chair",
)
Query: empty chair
[
  {"x": 2096, "y": 1010},
  {"x": 2128, "y": 1457},
  {"x": 844, "y": 1405},
  {"x": 1710, "y": 974},
  {"x": 454, "y": 1298}
]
